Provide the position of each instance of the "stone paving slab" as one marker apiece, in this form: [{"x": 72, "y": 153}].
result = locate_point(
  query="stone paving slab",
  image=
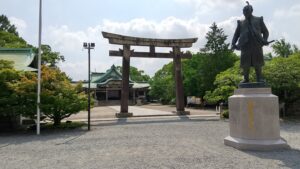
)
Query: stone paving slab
[
  {"x": 139, "y": 111},
  {"x": 108, "y": 112}
]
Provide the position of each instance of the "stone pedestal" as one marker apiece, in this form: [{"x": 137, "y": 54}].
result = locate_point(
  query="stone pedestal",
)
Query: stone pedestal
[
  {"x": 181, "y": 113},
  {"x": 123, "y": 115},
  {"x": 254, "y": 120}
]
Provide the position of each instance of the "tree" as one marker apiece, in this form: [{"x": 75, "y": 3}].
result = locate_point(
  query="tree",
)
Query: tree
[
  {"x": 136, "y": 74},
  {"x": 6, "y": 26},
  {"x": 59, "y": 99},
  {"x": 226, "y": 82},
  {"x": 200, "y": 71},
  {"x": 162, "y": 84},
  {"x": 49, "y": 57},
  {"x": 215, "y": 40},
  {"x": 7, "y": 75},
  {"x": 284, "y": 49},
  {"x": 10, "y": 40},
  {"x": 283, "y": 75}
]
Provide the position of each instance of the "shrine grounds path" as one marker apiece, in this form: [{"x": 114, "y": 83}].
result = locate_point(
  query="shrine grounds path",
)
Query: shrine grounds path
[
  {"x": 108, "y": 112},
  {"x": 144, "y": 143}
]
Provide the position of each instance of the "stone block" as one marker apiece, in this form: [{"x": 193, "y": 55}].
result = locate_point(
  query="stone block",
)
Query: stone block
[
  {"x": 124, "y": 115},
  {"x": 254, "y": 120}
]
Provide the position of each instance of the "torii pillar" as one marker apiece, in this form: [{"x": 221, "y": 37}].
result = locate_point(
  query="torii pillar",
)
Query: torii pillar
[{"x": 126, "y": 53}]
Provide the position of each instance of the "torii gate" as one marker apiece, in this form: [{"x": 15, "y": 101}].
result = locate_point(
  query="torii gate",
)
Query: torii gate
[{"x": 126, "y": 53}]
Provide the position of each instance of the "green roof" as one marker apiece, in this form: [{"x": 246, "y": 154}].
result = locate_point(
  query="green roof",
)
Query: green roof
[
  {"x": 140, "y": 85},
  {"x": 22, "y": 57},
  {"x": 112, "y": 74}
]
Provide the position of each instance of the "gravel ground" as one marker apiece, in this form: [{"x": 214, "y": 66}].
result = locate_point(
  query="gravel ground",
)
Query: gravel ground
[{"x": 144, "y": 143}]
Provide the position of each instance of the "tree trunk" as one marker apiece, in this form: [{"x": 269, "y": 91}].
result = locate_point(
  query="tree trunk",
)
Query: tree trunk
[{"x": 57, "y": 121}]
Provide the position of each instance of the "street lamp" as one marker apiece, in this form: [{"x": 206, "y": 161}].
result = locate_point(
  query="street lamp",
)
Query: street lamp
[{"x": 89, "y": 46}]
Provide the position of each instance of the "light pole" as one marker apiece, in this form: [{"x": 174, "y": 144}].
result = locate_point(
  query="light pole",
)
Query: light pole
[
  {"x": 89, "y": 46},
  {"x": 39, "y": 71}
]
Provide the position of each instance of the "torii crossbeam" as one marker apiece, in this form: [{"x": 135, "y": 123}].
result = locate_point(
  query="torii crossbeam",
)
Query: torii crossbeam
[{"x": 126, "y": 53}]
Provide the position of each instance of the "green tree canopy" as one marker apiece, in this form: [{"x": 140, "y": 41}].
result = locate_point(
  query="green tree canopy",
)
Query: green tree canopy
[
  {"x": 162, "y": 84},
  {"x": 283, "y": 75},
  {"x": 226, "y": 82},
  {"x": 50, "y": 57},
  {"x": 136, "y": 74},
  {"x": 10, "y": 40},
  {"x": 200, "y": 71},
  {"x": 215, "y": 40},
  {"x": 284, "y": 49},
  {"x": 59, "y": 99},
  {"x": 6, "y": 26},
  {"x": 7, "y": 75}
]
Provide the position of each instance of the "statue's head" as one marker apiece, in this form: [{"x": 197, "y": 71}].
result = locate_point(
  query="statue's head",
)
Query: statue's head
[{"x": 247, "y": 10}]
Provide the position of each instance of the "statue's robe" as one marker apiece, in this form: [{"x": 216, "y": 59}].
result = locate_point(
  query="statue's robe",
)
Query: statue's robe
[{"x": 251, "y": 36}]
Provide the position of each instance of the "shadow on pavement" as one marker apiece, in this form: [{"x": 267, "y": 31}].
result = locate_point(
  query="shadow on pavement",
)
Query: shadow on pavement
[
  {"x": 290, "y": 158},
  {"x": 7, "y": 139},
  {"x": 129, "y": 121}
]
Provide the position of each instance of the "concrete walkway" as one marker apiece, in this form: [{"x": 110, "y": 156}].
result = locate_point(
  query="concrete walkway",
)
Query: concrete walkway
[
  {"x": 139, "y": 111},
  {"x": 149, "y": 110}
]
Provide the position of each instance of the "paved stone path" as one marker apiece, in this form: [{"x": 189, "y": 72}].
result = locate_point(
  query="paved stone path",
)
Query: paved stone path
[
  {"x": 144, "y": 143},
  {"x": 139, "y": 111},
  {"x": 108, "y": 112}
]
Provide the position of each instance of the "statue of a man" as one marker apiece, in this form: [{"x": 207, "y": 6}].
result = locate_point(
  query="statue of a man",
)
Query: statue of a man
[{"x": 251, "y": 34}]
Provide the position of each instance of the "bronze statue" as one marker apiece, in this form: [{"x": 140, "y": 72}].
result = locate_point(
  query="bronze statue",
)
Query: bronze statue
[{"x": 251, "y": 34}]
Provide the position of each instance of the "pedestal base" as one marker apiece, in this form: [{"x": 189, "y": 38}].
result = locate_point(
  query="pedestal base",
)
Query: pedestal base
[
  {"x": 123, "y": 115},
  {"x": 254, "y": 120},
  {"x": 258, "y": 145},
  {"x": 182, "y": 113}
]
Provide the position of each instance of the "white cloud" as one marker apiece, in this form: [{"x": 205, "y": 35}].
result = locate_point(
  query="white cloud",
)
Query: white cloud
[
  {"x": 204, "y": 6},
  {"x": 19, "y": 23},
  {"x": 69, "y": 42},
  {"x": 285, "y": 24},
  {"x": 293, "y": 11}
]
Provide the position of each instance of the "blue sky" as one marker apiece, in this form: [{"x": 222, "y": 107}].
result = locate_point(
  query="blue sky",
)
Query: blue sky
[{"x": 68, "y": 23}]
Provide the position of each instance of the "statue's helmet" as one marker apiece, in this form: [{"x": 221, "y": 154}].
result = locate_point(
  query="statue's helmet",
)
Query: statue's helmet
[{"x": 248, "y": 8}]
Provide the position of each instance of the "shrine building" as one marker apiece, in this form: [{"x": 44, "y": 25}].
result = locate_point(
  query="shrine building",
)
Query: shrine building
[{"x": 106, "y": 88}]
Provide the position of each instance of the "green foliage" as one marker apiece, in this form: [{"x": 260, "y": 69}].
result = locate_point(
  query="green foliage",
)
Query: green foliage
[
  {"x": 283, "y": 75},
  {"x": 215, "y": 40},
  {"x": 9, "y": 37},
  {"x": 64, "y": 126},
  {"x": 50, "y": 57},
  {"x": 6, "y": 26},
  {"x": 10, "y": 40},
  {"x": 226, "y": 82},
  {"x": 284, "y": 49},
  {"x": 136, "y": 74},
  {"x": 5, "y": 64},
  {"x": 59, "y": 99},
  {"x": 162, "y": 84},
  {"x": 225, "y": 114},
  {"x": 200, "y": 71},
  {"x": 7, "y": 75}
]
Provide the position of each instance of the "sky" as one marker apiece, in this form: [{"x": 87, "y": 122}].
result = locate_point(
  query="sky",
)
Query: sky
[{"x": 69, "y": 23}]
